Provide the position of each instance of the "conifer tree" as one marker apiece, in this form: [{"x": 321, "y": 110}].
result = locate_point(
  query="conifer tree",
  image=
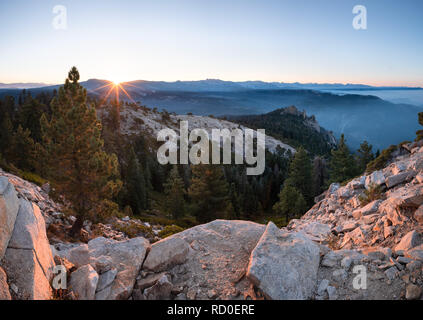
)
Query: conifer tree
[
  {"x": 209, "y": 192},
  {"x": 235, "y": 200},
  {"x": 174, "y": 191},
  {"x": 6, "y": 134},
  {"x": 135, "y": 185},
  {"x": 365, "y": 155},
  {"x": 29, "y": 115},
  {"x": 300, "y": 174},
  {"x": 419, "y": 133},
  {"x": 77, "y": 164},
  {"x": 22, "y": 149},
  {"x": 342, "y": 164},
  {"x": 291, "y": 203}
]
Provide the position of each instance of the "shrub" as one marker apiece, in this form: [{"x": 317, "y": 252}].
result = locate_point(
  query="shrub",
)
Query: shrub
[
  {"x": 133, "y": 229},
  {"x": 170, "y": 230},
  {"x": 381, "y": 161},
  {"x": 374, "y": 193},
  {"x": 33, "y": 177}
]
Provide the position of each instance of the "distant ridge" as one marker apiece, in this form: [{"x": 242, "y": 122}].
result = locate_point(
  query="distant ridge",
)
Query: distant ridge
[
  {"x": 214, "y": 85},
  {"x": 22, "y": 85}
]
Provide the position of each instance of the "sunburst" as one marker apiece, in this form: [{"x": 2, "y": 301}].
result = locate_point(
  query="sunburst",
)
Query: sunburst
[{"x": 115, "y": 88}]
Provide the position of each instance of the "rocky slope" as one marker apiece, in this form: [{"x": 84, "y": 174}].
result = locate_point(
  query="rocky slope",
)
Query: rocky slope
[
  {"x": 138, "y": 119},
  {"x": 340, "y": 249}
]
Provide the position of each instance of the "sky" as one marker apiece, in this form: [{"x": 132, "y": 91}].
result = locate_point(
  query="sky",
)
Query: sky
[{"x": 281, "y": 40}]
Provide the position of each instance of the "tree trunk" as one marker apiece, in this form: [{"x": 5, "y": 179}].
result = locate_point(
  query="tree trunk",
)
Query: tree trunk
[{"x": 77, "y": 226}]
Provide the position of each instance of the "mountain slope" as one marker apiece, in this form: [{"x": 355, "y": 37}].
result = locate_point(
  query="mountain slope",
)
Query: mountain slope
[{"x": 293, "y": 127}]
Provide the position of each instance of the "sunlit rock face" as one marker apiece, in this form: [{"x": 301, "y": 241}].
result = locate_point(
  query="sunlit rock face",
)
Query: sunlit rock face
[
  {"x": 284, "y": 265},
  {"x": 28, "y": 260},
  {"x": 9, "y": 206}
]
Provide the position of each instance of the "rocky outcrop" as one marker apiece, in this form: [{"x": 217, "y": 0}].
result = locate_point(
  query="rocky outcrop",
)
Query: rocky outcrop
[
  {"x": 28, "y": 260},
  {"x": 208, "y": 262},
  {"x": 284, "y": 265},
  {"x": 4, "y": 287},
  {"x": 84, "y": 283},
  {"x": 9, "y": 206}
]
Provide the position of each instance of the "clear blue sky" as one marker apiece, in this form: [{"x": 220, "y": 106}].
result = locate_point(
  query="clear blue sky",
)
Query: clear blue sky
[{"x": 281, "y": 40}]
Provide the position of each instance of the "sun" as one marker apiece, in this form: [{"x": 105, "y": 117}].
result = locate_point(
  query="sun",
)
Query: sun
[{"x": 115, "y": 89}]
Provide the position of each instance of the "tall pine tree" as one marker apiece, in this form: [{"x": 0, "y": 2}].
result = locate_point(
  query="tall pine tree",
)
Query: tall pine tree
[
  {"x": 342, "y": 164},
  {"x": 174, "y": 191},
  {"x": 300, "y": 174},
  {"x": 78, "y": 166},
  {"x": 365, "y": 155},
  {"x": 209, "y": 193}
]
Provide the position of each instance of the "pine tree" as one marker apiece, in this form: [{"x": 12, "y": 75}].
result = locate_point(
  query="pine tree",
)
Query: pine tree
[
  {"x": 342, "y": 164},
  {"x": 319, "y": 175},
  {"x": 29, "y": 115},
  {"x": 291, "y": 203},
  {"x": 235, "y": 200},
  {"x": 6, "y": 134},
  {"x": 174, "y": 191},
  {"x": 135, "y": 185},
  {"x": 22, "y": 149},
  {"x": 209, "y": 193},
  {"x": 300, "y": 174},
  {"x": 78, "y": 166},
  {"x": 365, "y": 155},
  {"x": 419, "y": 133}
]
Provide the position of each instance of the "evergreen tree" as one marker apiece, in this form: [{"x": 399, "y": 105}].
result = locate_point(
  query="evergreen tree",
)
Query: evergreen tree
[
  {"x": 291, "y": 203},
  {"x": 300, "y": 174},
  {"x": 235, "y": 201},
  {"x": 29, "y": 115},
  {"x": 135, "y": 186},
  {"x": 419, "y": 133},
  {"x": 342, "y": 164},
  {"x": 209, "y": 192},
  {"x": 80, "y": 169},
  {"x": 22, "y": 150},
  {"x": 365, "y": 155},
  {"x": 6, "y": 134},
  {"x": 319, "y": 175},
  {"x": 174, "y": 191}
]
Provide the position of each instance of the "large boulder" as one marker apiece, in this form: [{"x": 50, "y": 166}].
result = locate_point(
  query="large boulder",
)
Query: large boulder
[
  {"x": 376, "y": 178},
  {"x": 124, "y": 256},
  {"x": 284, "y": 265},
  {"x": 84, "y": 282},
  {"x": 9, "y": 206},
  {"x": 4, "y": 287},
  {"x": 416, "y": 253},
  {"x": 28, "y": 260},
  {"x": 400, "y": 178},
  {"x": 166, "y": 253},
  {"x": 368, "y": 209},
  {"x": 409, "y": 241},
  {"x": 418, "y": 214},
  {"x": 215, "y": 265},
  {"x": 316, "y": 230},
  {"x": 77, "y": 255}
]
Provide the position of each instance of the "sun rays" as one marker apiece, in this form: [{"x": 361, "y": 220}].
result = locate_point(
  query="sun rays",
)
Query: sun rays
[{"x": 115, "y": 89}]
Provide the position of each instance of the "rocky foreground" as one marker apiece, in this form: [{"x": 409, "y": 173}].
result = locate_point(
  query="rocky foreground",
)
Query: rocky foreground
[{"x": 340, "y": 249}]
